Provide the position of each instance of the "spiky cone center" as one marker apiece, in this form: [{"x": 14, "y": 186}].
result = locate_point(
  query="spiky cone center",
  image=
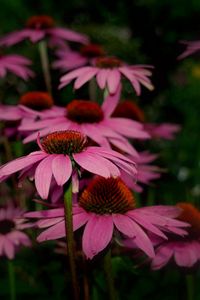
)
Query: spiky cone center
[
  {"x": 107, "y": 196},
  {"x": 37, "y": 100},
  {"x": 83, "y": 111},
  {"x": 40, "y": 22},
  {"x": 191, "y": 215},
  {"x": 108, "y": 62},
  {"x": 6, "y": 226},
  {"x": 64, "y": 142},
  {"x": 92, "y": 50},
  {"x": 129, "y": 109}
]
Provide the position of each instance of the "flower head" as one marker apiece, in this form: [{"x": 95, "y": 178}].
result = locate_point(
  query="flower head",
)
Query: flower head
[
  {"x": 39, "y": 27},
  {"x": 185, "y": 251},
  {"x": 62, "y": 154},
  {"x": 68, "y": 59},
  {"x": 11, "y": 234},
  {"x": 109, "y": 72},
  {"x": 107, "y": 205},
  {"x": 16, "y": 64},
  {"x": 32, "y": 105},
  {"x": 94, "y": 121}
]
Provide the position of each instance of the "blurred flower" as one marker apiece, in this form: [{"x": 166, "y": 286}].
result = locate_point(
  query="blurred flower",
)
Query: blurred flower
[
  {"x": 11, "y": 234},
  {"x": 61, "y": 154},
  {"x": 191, "y": 47},
  {"x": 185, "y": 251},
  {"x": 129, "y": 109},
  {"x": 32, "y": 105},
  {"x": 146, "y": 172},
  {"x": 41, "y": 27},
  {"x": 108, "y": 72},
  {"x": 16, "y": 64},
  {"x": 94, "y": 121},
  {"x": 68, "y": 59},
  {"x": 105, "y": 205}
]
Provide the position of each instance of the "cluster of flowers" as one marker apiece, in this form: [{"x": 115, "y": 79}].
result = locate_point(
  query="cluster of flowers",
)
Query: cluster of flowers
[{"x": 91, "y": 145}]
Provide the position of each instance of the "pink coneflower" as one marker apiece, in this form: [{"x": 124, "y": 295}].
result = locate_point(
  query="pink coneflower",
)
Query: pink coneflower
[
  {"x": 184, "y": 251},
  {"x": 68, "y": 59},
  {"x": 94, "y": 121},
  {"x": 129, "y": 109},
  {"x": 191, "y": 47},
  {"x": 11, "y": 234},
  {"x": 40, "y": 27},
  {"x": 146, "y": 172},
  {"x": 165, "y": 131},
  {"x": 61, "y": 154},
  {"x": 32, "y": 105},
  {"x": 16, "y": 64},
  {"x": 109, "y": 72},
  {"x": 107, "y": 205}
]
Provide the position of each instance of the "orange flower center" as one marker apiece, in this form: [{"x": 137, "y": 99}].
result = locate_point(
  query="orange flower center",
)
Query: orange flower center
[
  {"x": 92, "y": 50},
  {"x": 40, "y": 22},
  {"x": 191, "y": 215},
  {"x": 107, "y": 196},
  {"x": 6, "y": 226},
  {"x": 108, "y": 62},
  {"x": 64, "y": 142},
  {"x": 36, "y": 100},
  {"x": 83, "y": 111},
  {"x": 129, "y": 109}
]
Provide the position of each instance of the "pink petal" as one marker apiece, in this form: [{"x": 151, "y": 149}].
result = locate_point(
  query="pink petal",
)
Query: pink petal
[
  {"x": 97, "y": 235},
  {"x": 83, "y": 78},
  {"x": 162, "y": 257},
  {"x": 53, "y": 233},
  {"x": 73, "y": 74},
  {"x": 79, "y": 220},
  {"x": 68, "y": 35},
  {"x": 124, "y": 224},
  {"x": 62, "y": 169},
  {"x": 113, "y": 80},
  {"x": 91, "y": 163},
  {"x": 110, "y": 102},
  {"x": 9, "y": 249},
  {"x": 43, "y": 176},
  {"x": 50, "y": 213},
  {"x": 101, "y": 77},
  {"x": 21, "y": 163}
]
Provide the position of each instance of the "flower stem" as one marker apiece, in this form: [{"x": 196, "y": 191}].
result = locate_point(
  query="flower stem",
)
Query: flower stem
[
  {"x": 70, "y": 239},
  {"x": 45, "y": 64},
  {"x": 190, "y": 286},
  {"x": 11, "y": 275},
  {"x": 92, "y": 90},
  {"x": 109, "y": 276}
]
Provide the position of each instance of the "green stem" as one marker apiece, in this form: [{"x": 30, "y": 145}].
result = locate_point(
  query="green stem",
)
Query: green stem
[
  {"x": 109, "y": 276},
  {"x": 45, "y": 64},
  {"x": 70, "y": 239},
  {"x": 92, "y": 90},
  {"x": 190, "y": 286},
  {"x": 11, "y": 275}
]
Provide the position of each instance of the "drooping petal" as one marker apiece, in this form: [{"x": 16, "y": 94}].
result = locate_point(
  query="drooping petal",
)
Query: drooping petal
[
  {"x": 43, "y": 176},
  {"x": 113, "y": 81},
  {"x": 53, "y": 233},
  {"x": 97, "y": 235},
  {"x": 111, "y": 101},
  {"x": 83, "y": 78},
  {"x": 62, "y": 169}
]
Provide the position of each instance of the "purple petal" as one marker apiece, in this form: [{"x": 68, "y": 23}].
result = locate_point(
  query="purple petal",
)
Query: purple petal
[
  {"x": 113, "y": 80},
  {"x": 53, "y": 233},
  {"x": 111, "y": 102}
]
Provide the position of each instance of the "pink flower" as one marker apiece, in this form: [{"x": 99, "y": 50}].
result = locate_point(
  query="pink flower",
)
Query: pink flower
[
  {"x": 11, "y": 235},
  {"x": 191, "y": 47},
  {"x": 165, "y": 131},
  {"x": 129, "y": 109},
  {"x": 41, "y": 27},
  {"x": 94, "y": 121},
  {"x": 146, "y": 172},
  {"x": 32, "y": 105},
  {"x": 16, "y": 64},
  {"x": 68, "y": 59},
  {"x": 62, "y": 153},
  {"x": 107, "y": 205},
  {"x": 185, "y": 251},
  {"x": 109, "y": 72}
]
